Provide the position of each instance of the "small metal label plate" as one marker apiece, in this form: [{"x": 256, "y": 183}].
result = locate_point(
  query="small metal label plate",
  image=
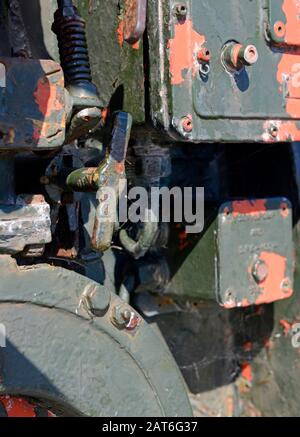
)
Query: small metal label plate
[{"x": 255, "y": 252}]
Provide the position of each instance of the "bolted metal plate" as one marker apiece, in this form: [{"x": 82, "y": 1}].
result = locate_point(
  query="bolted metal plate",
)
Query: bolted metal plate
[
  {"x": 208, "y": 87},
  {"x": 255, "y": 252}
]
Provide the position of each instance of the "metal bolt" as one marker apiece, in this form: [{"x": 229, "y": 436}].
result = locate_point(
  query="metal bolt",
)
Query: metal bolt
[
  {"x": 260, "y": 271},
  {"x": 125, "y": 318},
  {"x": 273, "y": 131},
  {"x": 187, "y": 124},
  {"x": 286, "y": 285},
  {"x": 236, "y": 56},
  {"x": 180, "y": 10},
  {"x": 203, "y": 55},
  {"x": 98, "y": 299},
  {"x": 279, "y": 29}
]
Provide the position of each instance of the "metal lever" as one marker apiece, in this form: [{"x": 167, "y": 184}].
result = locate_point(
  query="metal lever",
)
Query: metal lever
[{"x": 106, "y": 179}]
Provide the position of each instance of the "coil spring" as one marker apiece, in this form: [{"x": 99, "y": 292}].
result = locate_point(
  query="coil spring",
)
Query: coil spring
[{"x": 73, "y": 48}]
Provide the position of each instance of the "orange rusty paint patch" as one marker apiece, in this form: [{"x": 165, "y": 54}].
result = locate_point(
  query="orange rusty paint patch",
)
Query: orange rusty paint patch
[
  {"x": 183, "y": 50},
  {"x": 246, "y": 371},
  {"x": 253, "y": 208},
  {"x": 286, "y": 131},
  {"x": 120, "y": 33},
  {"x": 136, "y": 45},
  {"x": 291, "y": 8},
  {"x": 286, "y": 326},
  {"x": 17, "y": 407},
  {"x": 47, "y": 97},
  {"x": 271, "y": 288},
  {"x": 288, "y": 76}
]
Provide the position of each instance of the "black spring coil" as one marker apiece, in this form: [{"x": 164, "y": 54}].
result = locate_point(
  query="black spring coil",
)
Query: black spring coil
[{"x": 73, "y": 48}]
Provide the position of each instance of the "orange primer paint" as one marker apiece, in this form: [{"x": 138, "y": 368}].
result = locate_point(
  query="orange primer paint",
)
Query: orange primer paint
[
  {"x": 271, "y": 287},
  {"x": 246, "y": 371},
  {"x": 254, "y": 208},
  {"x": 46, "y": 97},
  {"x": 286, "y": 131},
  {"x": 291, "y": 8},
  {"x": 120, "y": 33},
  {"x": 183, "y": 50},
  {"x": 288, "y": 73}
]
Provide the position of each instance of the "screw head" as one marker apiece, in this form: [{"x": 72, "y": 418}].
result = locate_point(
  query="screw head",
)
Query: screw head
[
  {"x": 187, "y": 124},
  {"x": 260, "y": 271}
]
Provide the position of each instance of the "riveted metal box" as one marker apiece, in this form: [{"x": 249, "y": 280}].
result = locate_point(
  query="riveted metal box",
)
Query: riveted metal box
[{"x": 200, "y": 91}]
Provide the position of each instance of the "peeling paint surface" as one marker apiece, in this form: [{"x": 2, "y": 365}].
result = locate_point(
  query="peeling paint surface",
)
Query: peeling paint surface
[{"x": 183, "y": 49}]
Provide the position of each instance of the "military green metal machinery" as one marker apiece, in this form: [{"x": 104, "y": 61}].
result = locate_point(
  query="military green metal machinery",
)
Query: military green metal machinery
[{"x": 160, "y": 95}]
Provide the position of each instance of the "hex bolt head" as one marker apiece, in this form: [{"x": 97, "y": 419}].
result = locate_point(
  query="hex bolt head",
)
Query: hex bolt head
[
  {"x": 98, "y": 299},
  {"x": 124, "y": 317},
  {"x": 260, "y": 271}
]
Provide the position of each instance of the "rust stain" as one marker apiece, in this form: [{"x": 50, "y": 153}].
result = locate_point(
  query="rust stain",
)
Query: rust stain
[
  {"x": 120, "y": 33},
  {"x": 47, "y": 97},
  {"x": 183, "y": 51},
  {"x": 253, "y": 208},
  {"x": 271, "y": 288}
]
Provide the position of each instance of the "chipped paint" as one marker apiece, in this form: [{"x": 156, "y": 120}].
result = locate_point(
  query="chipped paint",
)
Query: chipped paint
[
  {"x": 254, "y": 208},
  {"x": 183, "y": 51},
  {"x": 120, "y": 33},
  {"x": 272, "y": 287},
  {"x": 286, "y": 131},
  {"x": 246, "y": 371},
  {"x": 291, "y": 8},
  {"x": 288, "y": 76},
  {"x": 47, "y": 97}
]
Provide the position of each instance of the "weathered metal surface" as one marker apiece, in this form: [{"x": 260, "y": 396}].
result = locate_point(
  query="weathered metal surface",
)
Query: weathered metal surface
[
  {"x": 134, "y": 20},
  {"x": 255, "y": 252},
  {"x": 117, "y": 67},
  {"x": 35, "y": 117},
  {"x": 75, "y": 376},
  {"x": 221, "y": 104},
  {"x": 25, "y": 223}
]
